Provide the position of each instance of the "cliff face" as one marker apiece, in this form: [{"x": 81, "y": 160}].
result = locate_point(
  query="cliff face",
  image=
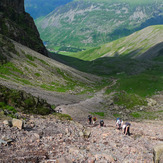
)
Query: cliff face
[
  {"x": 17, "y": 5},
  {"x": 18, "y": 25}
]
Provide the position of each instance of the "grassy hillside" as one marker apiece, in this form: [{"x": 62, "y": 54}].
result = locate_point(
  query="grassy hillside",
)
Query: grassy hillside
[
  {"x": 133, "y": 46},
  {"x": 83, "y": 24},
  {"x": 24, "y": 66}
]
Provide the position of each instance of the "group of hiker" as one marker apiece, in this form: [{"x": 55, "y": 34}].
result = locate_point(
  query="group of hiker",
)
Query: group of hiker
[{"x": 119, "y": 124}]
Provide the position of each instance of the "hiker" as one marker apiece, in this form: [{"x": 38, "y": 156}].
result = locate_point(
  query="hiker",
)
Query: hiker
[
  {"x": 119, "y": 123},
  {"x": 94, "y": 120},
  {"x": 101, "y": 123},
  {"x": 90, "y": 119},
  {"x": 126, "y": 128}
]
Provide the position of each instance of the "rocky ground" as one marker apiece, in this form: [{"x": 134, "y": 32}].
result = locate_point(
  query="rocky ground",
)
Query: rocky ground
[{"x": 46, "y": 139}]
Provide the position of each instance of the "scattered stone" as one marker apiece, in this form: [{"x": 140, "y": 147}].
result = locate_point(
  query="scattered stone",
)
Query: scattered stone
[
  {"x": 17, "y": 123},
  {"x": 91, "y": 160},
  {"x": 3, "y": 142},
  {"x": 37, "y": 135},
  {"x": 8, "y": 123}
]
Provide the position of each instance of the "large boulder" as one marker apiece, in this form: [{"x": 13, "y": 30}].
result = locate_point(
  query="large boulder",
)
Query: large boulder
[
  {"x": 17, "y": 123},
  {"x": 158, "y": 154},
  {"x": 7, "y": 122},
  {"x": 87, "y": 133}
]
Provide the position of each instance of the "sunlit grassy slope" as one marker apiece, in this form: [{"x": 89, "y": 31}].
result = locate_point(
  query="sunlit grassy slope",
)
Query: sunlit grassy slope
[
  {"x": 133, "y": 46},
  {"x": 24, "y": 66}
]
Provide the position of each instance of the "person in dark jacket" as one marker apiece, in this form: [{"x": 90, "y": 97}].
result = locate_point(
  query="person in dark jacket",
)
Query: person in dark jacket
[
  {"x": 126, "y": 128},
  {"x": 90, "y": 119}
]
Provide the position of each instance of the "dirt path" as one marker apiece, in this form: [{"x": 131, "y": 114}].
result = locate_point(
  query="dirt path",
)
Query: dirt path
[{"x": 80, "y": 110}]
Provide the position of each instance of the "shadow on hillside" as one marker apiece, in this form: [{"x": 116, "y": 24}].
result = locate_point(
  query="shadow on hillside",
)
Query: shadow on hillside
[
  {"x": 105, "y": 65},
  {"x": 153, "y": 52},
  {"x": 122, "y": 32}
]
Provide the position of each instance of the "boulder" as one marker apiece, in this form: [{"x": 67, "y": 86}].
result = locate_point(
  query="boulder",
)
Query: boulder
[
  {"x": 81, "y": 134},
  {"x": 87, "y": 133},
  {"x": 8, "y": 123},
  {"x": 17, "y": 123},
  {"x": 158, "y": 154}
]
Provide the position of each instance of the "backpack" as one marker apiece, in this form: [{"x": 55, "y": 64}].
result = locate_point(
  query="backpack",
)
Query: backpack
[
  {"x": 101, "y": 122},
  {"x": 94, "y": 118},
  {"x": 127, "y": 124}
]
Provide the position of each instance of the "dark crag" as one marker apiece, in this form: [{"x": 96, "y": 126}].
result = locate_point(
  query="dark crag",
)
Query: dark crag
[{"x": 18, "y": 25}]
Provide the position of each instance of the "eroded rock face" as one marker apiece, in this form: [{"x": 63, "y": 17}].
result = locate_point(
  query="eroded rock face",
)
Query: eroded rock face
[{"x": 18, "y": 25}]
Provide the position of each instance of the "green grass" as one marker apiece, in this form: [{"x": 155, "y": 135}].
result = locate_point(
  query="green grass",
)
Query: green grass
[
  {"x": 9, "y": 108},
  {"x": 37, "y": 74},
  {"x": 136, "y": 115},
  {"x": 42, "y": 61},
  {"x": 144, "y": 84},
  {"x": 30, "y": 57},
  {"x": 101, "y": 114},
  {"x": 116, "y": 115},
  {"x": 9, "y": 68},
  {"x": 31, "y": 63},
  {"x": 159, "y": 59},
  {"x": 150, "y": 115},
  {"x": 129, "y": 100},
  {"x": 24, "y": 81},
  {"x": 62, "y": 116}
]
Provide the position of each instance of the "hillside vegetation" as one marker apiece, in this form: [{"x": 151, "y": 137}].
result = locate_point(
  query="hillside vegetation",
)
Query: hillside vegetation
[
  {"x": 83, "y": 24},
  {"x": 24, "y": 66},
  {"x": 137, "y": 45}
]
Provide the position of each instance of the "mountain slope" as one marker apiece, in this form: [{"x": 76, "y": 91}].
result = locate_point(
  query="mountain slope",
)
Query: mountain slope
[
  {"x": 41, "y": 8},
  {"x": 90, "y": 23},
  {"x": 137, "y": 45},
  {"x": 23, "y": 67}
]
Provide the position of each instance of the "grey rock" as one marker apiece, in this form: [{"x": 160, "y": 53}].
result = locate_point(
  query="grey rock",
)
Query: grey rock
[
  {"x": 158, "y": 153},
  {"x": 3, "y": 142},
  {"x": 7, "y": 122}
]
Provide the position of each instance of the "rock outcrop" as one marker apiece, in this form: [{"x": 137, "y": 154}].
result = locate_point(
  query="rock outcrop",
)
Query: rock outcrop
[
  {"x": 158, "y": 154},
  {"x": 12, "y": 101},
  {"x": 18, "y": 25}
]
